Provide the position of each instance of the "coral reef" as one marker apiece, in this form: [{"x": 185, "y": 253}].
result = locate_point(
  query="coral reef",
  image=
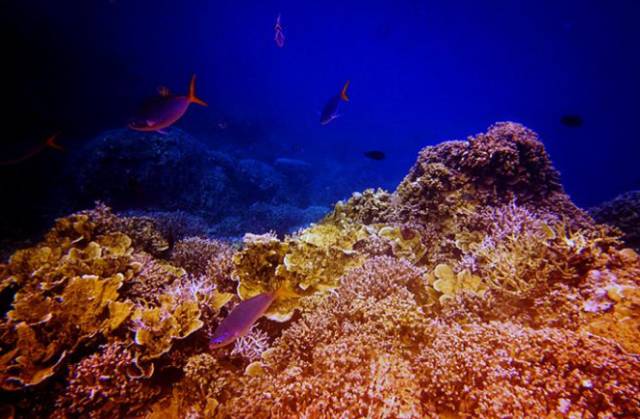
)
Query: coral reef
[
  {"x": 622, "y": 212},
  {"x": 475, "y": 289}
]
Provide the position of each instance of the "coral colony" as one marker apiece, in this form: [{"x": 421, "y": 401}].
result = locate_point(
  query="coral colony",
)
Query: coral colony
[{"x": 475, "y": 289}]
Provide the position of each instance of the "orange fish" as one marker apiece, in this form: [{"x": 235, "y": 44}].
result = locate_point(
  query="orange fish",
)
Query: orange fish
[
  {"x": 50, "y": 142},
  {"x": 165, "y": 109}
]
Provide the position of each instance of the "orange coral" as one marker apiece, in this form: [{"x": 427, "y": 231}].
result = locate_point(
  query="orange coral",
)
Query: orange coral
[{"x": 102, "y": 385}]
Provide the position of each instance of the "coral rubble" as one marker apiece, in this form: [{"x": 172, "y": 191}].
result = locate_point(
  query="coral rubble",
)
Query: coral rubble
[{"x": 475, "y": 289}]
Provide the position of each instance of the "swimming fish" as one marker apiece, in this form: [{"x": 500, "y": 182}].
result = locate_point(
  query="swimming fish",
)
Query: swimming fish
[
  {"x": 572, "y": 121},
  {"x": 50, "y": 142},
  {"x": 164, "y": 110},
  {"x": 375, "y": 155},
  {"x": 330, "y": 111},
  {"x": 242, "y": 317},
  {"x": 279, "y": 35}
]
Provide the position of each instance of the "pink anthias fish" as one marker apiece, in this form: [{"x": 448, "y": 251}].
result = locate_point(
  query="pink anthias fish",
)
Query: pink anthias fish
[
  {"x": 279, "y": 36},
  {"x": 243, "y": 316},
  {"x": 165, "y": 109}
]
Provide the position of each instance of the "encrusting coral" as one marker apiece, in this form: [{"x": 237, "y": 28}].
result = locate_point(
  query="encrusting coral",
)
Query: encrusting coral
[{"x": 475, "y": 289}]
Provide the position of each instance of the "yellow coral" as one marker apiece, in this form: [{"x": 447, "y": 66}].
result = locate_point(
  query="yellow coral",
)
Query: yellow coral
[
  {"x": 450, "y": 284},
  {"x": 407, "y": 243},
  {"x": 30, "y": 362},
  {"x": 301, "y": 265},
  {"x": 157, "y": 327}
]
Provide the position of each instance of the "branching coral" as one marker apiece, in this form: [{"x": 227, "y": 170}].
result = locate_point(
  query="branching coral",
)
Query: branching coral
[
  {"x": 252, "y": 346},
  {"x": 370, "y": 350},
  {"x": 205, "y": 257},
  {"x": 522, "y": 253},
  {"x": 103, "y": 385},
  {"x": 499, "y": 369},
  {"x": 357, "y": 336}
]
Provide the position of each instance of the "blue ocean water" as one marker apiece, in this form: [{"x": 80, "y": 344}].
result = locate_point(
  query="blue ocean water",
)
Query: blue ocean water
[{"x": 421, "y": 72}]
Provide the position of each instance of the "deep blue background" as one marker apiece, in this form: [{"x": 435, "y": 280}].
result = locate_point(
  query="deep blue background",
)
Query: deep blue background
[{"x": 421, "y": 72}]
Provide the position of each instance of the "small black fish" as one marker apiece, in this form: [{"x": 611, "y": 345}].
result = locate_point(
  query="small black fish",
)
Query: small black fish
[
  {"x": 571, "y": 120},
  {"x": 375, "y": 155}
]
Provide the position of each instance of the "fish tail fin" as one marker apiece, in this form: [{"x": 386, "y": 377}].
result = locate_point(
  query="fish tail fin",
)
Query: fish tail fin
[
  {"x": 51, "y": 142},
  {"x": 343, "y": 93},
  {"x": 192, "y": 93}
]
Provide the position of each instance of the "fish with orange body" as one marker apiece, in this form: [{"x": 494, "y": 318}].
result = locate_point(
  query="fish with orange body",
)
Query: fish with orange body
[
  {"x": 165, "y": 109},
  {"x": 279, "y": 34},
  {"x": 330, "y": 110},
  {"x": 50, "y": 142}
]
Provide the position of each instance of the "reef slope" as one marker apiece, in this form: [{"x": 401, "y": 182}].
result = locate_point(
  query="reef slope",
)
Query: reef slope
[{"x": 475, "y": 289}]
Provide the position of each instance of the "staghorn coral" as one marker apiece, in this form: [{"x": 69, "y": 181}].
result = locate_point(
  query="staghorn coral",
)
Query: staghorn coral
[{"x": 521, "y": 251}]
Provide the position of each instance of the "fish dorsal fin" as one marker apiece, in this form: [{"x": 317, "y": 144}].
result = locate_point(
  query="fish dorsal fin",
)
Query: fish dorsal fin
[{"x": 164, "y": 91}]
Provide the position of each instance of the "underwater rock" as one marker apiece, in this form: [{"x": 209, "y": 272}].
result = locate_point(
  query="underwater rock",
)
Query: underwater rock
[
  {"x": 168, "y": 172},
  {"x": 299, "y": 176},
  {"x": 180, "y": 182},
  {"x": 260, "y": 182},
  {"x": 622, "y": 212}
]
